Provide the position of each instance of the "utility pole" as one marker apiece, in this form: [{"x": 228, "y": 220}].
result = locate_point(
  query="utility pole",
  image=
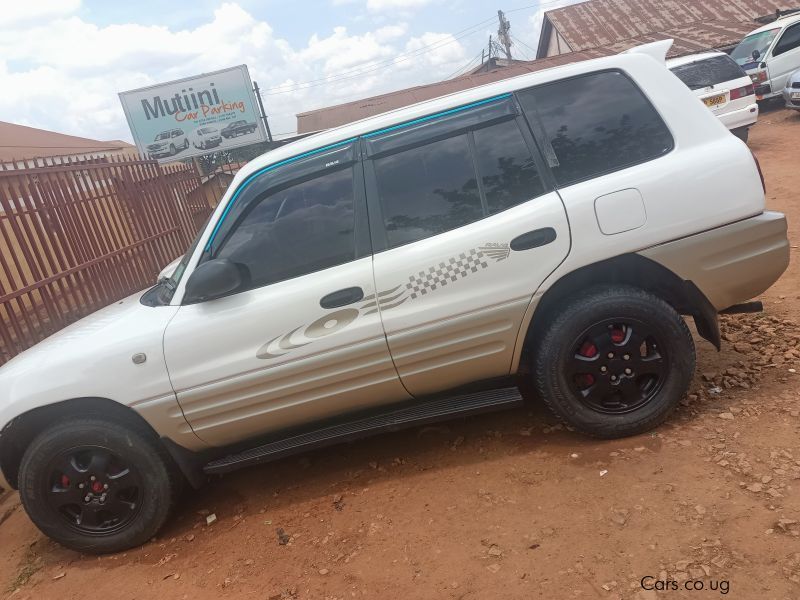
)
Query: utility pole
[
  {"x": 490, "y": 48},
  {"x": 504, "y": 33},
  {"x": 261, "y": 108}
]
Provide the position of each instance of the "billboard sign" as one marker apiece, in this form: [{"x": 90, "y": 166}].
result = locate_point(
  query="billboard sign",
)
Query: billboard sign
[{"x": 194, "y": 116}]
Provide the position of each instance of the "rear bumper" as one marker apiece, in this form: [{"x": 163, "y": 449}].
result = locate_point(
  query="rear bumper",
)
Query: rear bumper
[
  {"x": 732, "y": 263},
  {"x": 743, "y": 117}
]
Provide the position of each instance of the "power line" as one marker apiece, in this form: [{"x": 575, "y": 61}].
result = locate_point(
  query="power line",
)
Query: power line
[
  {"x": 519, "y": 41},
  {"x": 465, "y": 67},
  {"x": 372, "y": 67},
  {"x": 377, "y": 65}
]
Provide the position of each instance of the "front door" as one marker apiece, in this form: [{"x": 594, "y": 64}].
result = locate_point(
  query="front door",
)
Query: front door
[
  {"x": 468, "y": 230},
  {"x": 785, "y": 57},
  {"x": 299, "y": 344}
]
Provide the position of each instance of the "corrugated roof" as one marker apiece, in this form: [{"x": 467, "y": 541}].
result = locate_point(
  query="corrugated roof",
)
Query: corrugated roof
[
  {"x": 21, "y": 142},
  {"x": 593, "y": 29},
  {"x": 605, "y": 22}
]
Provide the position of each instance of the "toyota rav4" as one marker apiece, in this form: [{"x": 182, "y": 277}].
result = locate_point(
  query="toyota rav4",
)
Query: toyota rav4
[{"x": 406, "y": 268}]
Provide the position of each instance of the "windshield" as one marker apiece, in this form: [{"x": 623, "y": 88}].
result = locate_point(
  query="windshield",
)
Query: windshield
[
  {"x": 743, "y": 53},
  {"x": 207, "y": 130},
  {"x": 709, "y": 72},
  {"x": 162, "y": 136}
]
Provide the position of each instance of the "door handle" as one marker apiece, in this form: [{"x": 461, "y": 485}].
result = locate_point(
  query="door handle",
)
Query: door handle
[
  {"x": 534, "y": 239},
  {"x": 342, "y": 297}
]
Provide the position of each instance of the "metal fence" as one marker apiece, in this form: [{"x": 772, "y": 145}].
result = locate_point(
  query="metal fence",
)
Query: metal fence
[{"x": 78, "y": 234}]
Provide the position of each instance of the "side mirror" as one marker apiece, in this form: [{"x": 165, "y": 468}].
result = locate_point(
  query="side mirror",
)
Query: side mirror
[
  {"x": 213, "y": 279},
  {"x": 756, "y": 55}
]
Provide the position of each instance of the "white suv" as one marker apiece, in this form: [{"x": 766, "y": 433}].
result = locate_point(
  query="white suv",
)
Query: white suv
[{"x": 395, "y": 271}]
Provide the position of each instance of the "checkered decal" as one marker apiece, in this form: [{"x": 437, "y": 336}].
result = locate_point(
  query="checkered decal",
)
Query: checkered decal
[{"x": 451, "y": 271}]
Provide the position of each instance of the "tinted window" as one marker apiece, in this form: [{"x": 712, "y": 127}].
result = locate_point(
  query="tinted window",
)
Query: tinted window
[
  {"x": 711, "y": 71},
  {"x": 427, "y": 190},
  {"x": 508, "y": 173},
  {"x": 596, "y": 124},
  {"x": 789, "y": 40},
  {"x": 301, "y": 229}
]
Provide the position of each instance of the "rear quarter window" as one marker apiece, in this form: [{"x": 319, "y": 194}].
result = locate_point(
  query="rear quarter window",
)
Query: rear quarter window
[
  {"x": 711, "y": 71},
  {"x": 594, "y": 124}
]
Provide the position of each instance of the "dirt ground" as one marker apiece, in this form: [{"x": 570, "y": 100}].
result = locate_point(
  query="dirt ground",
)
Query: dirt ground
[{"x": 509, "y": 505}]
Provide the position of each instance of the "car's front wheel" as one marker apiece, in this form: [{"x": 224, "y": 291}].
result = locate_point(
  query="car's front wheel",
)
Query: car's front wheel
[
  {"x": 614, "y": 361},
  {"x": 97, "y": 486}
]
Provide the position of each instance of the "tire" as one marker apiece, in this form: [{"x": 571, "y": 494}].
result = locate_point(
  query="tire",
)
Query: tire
[
  {"x": 601, "y": 396},
  {"x": 56, "y": 472},
  {"x": 185, "y": 144},
  {"x": 742, "y": 133},
  {"x": 173, "y": 150}
]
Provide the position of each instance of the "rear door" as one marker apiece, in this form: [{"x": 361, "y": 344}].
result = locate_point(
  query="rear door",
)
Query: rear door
[{"x": 466, "y": 226}]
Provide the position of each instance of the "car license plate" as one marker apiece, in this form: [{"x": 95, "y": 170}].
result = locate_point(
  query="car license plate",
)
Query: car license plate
[
  {"x": 795, "y": 95},
  {"x": 714, "y": 100}
]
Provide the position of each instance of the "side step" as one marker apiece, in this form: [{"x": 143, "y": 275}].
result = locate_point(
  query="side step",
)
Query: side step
[{"x": 419, "y": 413}]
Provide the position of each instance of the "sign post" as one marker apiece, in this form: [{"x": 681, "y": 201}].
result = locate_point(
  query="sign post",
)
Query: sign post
[{"x": 195, "y": 116}]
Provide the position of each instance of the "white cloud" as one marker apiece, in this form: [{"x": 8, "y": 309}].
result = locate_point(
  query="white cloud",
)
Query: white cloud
[
  {"x": 64, "y": 73},
  {"x": 395, "y": 5},
  {"x": 31, "y": 10}
]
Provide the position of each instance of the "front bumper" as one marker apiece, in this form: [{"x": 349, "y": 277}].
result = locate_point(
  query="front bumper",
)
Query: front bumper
[
  {"x": 732, "y": 263},
  {"x": 787, "y": 96},
  {"x": 744, "y": 117}
]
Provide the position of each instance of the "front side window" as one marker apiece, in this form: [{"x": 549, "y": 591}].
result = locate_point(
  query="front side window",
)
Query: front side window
[
  {"x": 709, "y": 72},
  {"x": 789, "y": 40},
  {"x": 596, "y": 124},
  {"x": 428, "y": 190},
  {"x": 298, "y": 230}
]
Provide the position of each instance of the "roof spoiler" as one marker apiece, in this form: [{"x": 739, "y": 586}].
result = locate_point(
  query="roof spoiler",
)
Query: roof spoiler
[{"x": 657, "y": 50}]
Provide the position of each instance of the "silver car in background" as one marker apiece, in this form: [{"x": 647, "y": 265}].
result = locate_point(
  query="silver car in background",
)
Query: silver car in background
[{"x": 791, "y": 93}]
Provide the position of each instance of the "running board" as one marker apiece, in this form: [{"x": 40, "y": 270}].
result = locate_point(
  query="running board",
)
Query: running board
[{"x": 418, "y": 414}]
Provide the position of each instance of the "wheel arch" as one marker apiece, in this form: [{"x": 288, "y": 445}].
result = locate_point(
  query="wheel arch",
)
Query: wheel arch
[
  {"x": 628, "y": 269},
  {"x": 18, "y": 433}
]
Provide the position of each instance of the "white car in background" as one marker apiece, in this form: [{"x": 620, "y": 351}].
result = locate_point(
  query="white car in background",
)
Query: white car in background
[
  {"x": 791, "y": 93},
  {"x": 722, "y": 85},
  {"x": 770, "y": 54},
  {"x": 206, "y": 137}
]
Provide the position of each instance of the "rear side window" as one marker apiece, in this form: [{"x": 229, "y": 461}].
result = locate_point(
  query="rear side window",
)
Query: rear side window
[
  {"x": 437, "y": 186},
  {"x": 300, "y": 229},
  {"x": 595, "y": 124},
  {"x": 428, "y": 190},
  {"x": 507, "y": 172},
  {"x": 789, "y": 40},
  {"x": 711, "y": 71}
]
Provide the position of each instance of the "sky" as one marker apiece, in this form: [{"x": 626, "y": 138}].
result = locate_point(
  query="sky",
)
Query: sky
[{"x": 63, "y": 62}]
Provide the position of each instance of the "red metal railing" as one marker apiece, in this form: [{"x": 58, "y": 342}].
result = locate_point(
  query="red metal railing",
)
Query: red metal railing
[{"x": 78, "y": 234}]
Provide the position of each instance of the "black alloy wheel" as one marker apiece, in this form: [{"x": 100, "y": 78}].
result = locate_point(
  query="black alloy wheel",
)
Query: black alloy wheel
[
  {"x": 618, "y": 366},
  {"x": 94, "y": 490},
  {"x": 612, "y": 361}
]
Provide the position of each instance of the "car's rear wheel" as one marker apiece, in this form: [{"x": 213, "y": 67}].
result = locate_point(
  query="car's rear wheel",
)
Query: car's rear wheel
[
  {"x": 97, "y": 486},
  {"x": 742, "y": 133},
  {"x": 614, "y": 361}
]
